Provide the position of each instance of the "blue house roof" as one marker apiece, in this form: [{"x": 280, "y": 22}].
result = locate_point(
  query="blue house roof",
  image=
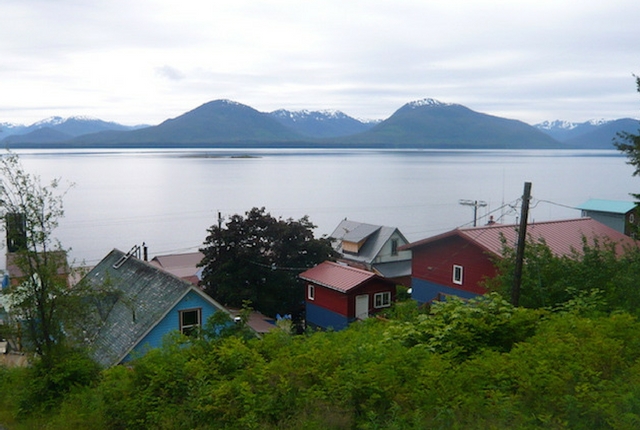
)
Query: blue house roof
[
  {"x": 611, "y": 206},
  {"x": 136, "y": 297}
]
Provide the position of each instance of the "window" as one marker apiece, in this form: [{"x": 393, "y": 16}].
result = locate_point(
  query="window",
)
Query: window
[
  {"x": 189, "y": 321},
  {"x": 382, "y": 300},
  {"x": 311, "y": 292},
  {"x": 394, "y": 246},
  {"x": 457, "y": 274}
]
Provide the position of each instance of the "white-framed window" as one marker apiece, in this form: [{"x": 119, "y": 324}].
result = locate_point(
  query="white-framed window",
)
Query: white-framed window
[
  {"x": 457, "y": 274},
  {"x": 394, "y": 246},
  {"x": 382, "y": 300},
  {"x": 190, "y": 320},
  {"x": 311, "y": 292}
]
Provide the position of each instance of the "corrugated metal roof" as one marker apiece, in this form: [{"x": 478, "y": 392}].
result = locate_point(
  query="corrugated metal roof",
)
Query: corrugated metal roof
[
  {"x": 337, "y": 276},
  {"x": 612, "y": 206},
  {"x": 563, "y": 237}
]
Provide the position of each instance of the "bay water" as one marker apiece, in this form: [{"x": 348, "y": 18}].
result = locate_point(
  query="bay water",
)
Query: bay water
[{"x": 168, "y": 199}]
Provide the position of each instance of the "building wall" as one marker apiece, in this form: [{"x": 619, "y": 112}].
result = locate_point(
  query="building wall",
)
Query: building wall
[
  {"x": 434, "y": 264},
  {"x": 324, "y": 318},
  {"x": 385, "y": 255},
  {"x": 335, "y": 309},
  {"x": 613, "y": 220},
  {"x": 171, "y": 322},
  {"x": 424, "y": 291}
]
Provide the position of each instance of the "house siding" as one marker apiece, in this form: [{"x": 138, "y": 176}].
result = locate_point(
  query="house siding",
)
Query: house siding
[
  {"x": 425, "y": 291},
  {"x": 331, "y": 300},
  {"x": 325, "y": 318},
  {"x": 171, "y": 322},
  {"x": 432, "y": 269}
]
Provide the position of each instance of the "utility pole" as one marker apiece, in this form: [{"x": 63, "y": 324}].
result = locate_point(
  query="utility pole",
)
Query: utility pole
[
  {"x": 476, "y": 204},
  {"x": 522, "y": 237}
]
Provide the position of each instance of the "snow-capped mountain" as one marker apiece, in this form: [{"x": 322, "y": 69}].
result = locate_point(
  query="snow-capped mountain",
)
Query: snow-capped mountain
[
  {"x": 595, "y": 133},
  {"x": 56, "y": 128},
  {"x": 320, "y": 123}
]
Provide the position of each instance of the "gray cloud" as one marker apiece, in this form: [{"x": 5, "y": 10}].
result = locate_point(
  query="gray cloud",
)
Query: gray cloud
[{"x": 137, "y": 61}]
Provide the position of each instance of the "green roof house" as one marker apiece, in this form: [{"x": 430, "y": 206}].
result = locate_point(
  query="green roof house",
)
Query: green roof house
[
  {"x": 619, "y": 215},
  {"x": 141, "y": 303}
]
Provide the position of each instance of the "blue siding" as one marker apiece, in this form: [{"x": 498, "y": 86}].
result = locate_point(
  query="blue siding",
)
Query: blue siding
[
  {"x": 325, "y": 318},
  {"x": 425, "y": 291},
  {"x": 171, "y": 322}
]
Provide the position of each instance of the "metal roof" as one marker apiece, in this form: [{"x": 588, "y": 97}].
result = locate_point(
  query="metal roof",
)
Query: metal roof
[
  {"x": 376, "y": 236},
  {"x": 563, "y": 237},
  {"x": 337, "y": 276},
  {"x": 612, "y": 206}
]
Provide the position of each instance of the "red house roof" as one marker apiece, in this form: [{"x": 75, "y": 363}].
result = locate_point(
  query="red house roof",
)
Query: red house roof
[
  {"x": 562, "y": 237},
  {"x": 336, "y": 276}
]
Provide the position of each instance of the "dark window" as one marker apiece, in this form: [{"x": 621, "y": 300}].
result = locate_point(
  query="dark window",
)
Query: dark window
[
  {"x": 311, "y": 294},
  {"x": 394, "y": 246},
  {"x": 457, "y": 274},
  {"x": 189, "y": 321},
  {"x": 382, "y": 300}
]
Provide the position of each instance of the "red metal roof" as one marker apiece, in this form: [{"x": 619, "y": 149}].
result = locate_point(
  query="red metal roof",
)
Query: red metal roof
[
  {"x": 562, "y": 237},
  {"x": 337, "y": 276}
]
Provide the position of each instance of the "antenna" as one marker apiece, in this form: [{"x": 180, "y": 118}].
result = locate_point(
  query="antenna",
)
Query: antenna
[{"x": 476, "y": 204}]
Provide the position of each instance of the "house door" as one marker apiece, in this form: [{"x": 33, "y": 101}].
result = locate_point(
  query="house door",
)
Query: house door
[{"x": 362, "y": 306}]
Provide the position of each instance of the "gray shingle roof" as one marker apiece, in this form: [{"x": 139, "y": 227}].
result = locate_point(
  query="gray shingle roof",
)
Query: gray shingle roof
[{"x": 137, "y": 296}]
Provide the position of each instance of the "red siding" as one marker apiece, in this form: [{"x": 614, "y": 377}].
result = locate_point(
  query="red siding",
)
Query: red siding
[
  {"x": 330, "y": 299},
  {"x": 434, "y": 262},
  {"x": 345, "y": 303}
]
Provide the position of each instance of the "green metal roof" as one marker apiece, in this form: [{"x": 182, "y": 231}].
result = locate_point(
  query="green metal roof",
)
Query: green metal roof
[{"x": 611, "y": 206}]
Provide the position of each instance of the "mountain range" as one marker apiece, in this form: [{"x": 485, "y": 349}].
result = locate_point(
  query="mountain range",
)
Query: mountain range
[{"x": 424, "y": 123}]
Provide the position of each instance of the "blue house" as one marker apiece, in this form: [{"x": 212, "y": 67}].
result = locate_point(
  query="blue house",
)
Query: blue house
[{"x": 137, "y": 305}]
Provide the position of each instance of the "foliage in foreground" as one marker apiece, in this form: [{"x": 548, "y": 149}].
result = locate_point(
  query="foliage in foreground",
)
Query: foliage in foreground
[
  {"x": 595, "y": 277},
  {"x": 525, "y": 369}
]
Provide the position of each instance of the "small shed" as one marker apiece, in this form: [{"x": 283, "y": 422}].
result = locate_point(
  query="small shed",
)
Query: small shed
[
  {"x": 337, "y": 294},
  {"x": 138, "y": 305},
  {"x": 619, "y": 215}
]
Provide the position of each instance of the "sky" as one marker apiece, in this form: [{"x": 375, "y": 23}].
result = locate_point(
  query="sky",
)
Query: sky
[{"x": 144, "y": 61}]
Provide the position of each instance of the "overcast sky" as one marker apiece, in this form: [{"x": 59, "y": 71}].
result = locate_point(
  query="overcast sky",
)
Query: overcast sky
[{"x": 143, "y": 61}]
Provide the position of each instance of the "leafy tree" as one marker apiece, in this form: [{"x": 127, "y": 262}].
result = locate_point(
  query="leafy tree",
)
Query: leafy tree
[
  {"x": 257, "y": 257},
  {"x": 33, "y": 210},
  {"x": 590, "y": 280},
  {"x": 45, "y": 311}
]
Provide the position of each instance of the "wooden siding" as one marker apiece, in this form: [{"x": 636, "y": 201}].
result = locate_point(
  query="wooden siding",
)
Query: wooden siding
[
  {"x": 324, "y": 318},
  {"x": 171, "y": 322},
  {"x": 344, "y": 303},
  {"x": 434, "y": 263}
]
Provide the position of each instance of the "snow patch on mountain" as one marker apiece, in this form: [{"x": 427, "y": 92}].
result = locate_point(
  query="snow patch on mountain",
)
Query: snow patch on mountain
[
  {"x": 428, "y": 102},
  {"x": 304, "y": 114}
]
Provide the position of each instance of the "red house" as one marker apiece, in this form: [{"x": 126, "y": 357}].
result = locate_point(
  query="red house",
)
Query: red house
[
  {"x": 337, "y": 294},
  {"x": 454, "y": 263}
]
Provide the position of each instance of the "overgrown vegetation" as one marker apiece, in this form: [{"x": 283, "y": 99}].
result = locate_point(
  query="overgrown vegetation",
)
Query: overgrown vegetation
[{"x": 478, "y": 364}]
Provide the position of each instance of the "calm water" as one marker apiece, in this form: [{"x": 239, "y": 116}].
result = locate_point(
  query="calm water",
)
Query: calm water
[{"x": 169, "y": 199}]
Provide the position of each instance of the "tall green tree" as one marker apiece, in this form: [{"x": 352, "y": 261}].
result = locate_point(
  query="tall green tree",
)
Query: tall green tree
[
  {"x": 629, "y": 144},
  {"x": 32, "y": 212},
  {"x": 257, "y": 257}
]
